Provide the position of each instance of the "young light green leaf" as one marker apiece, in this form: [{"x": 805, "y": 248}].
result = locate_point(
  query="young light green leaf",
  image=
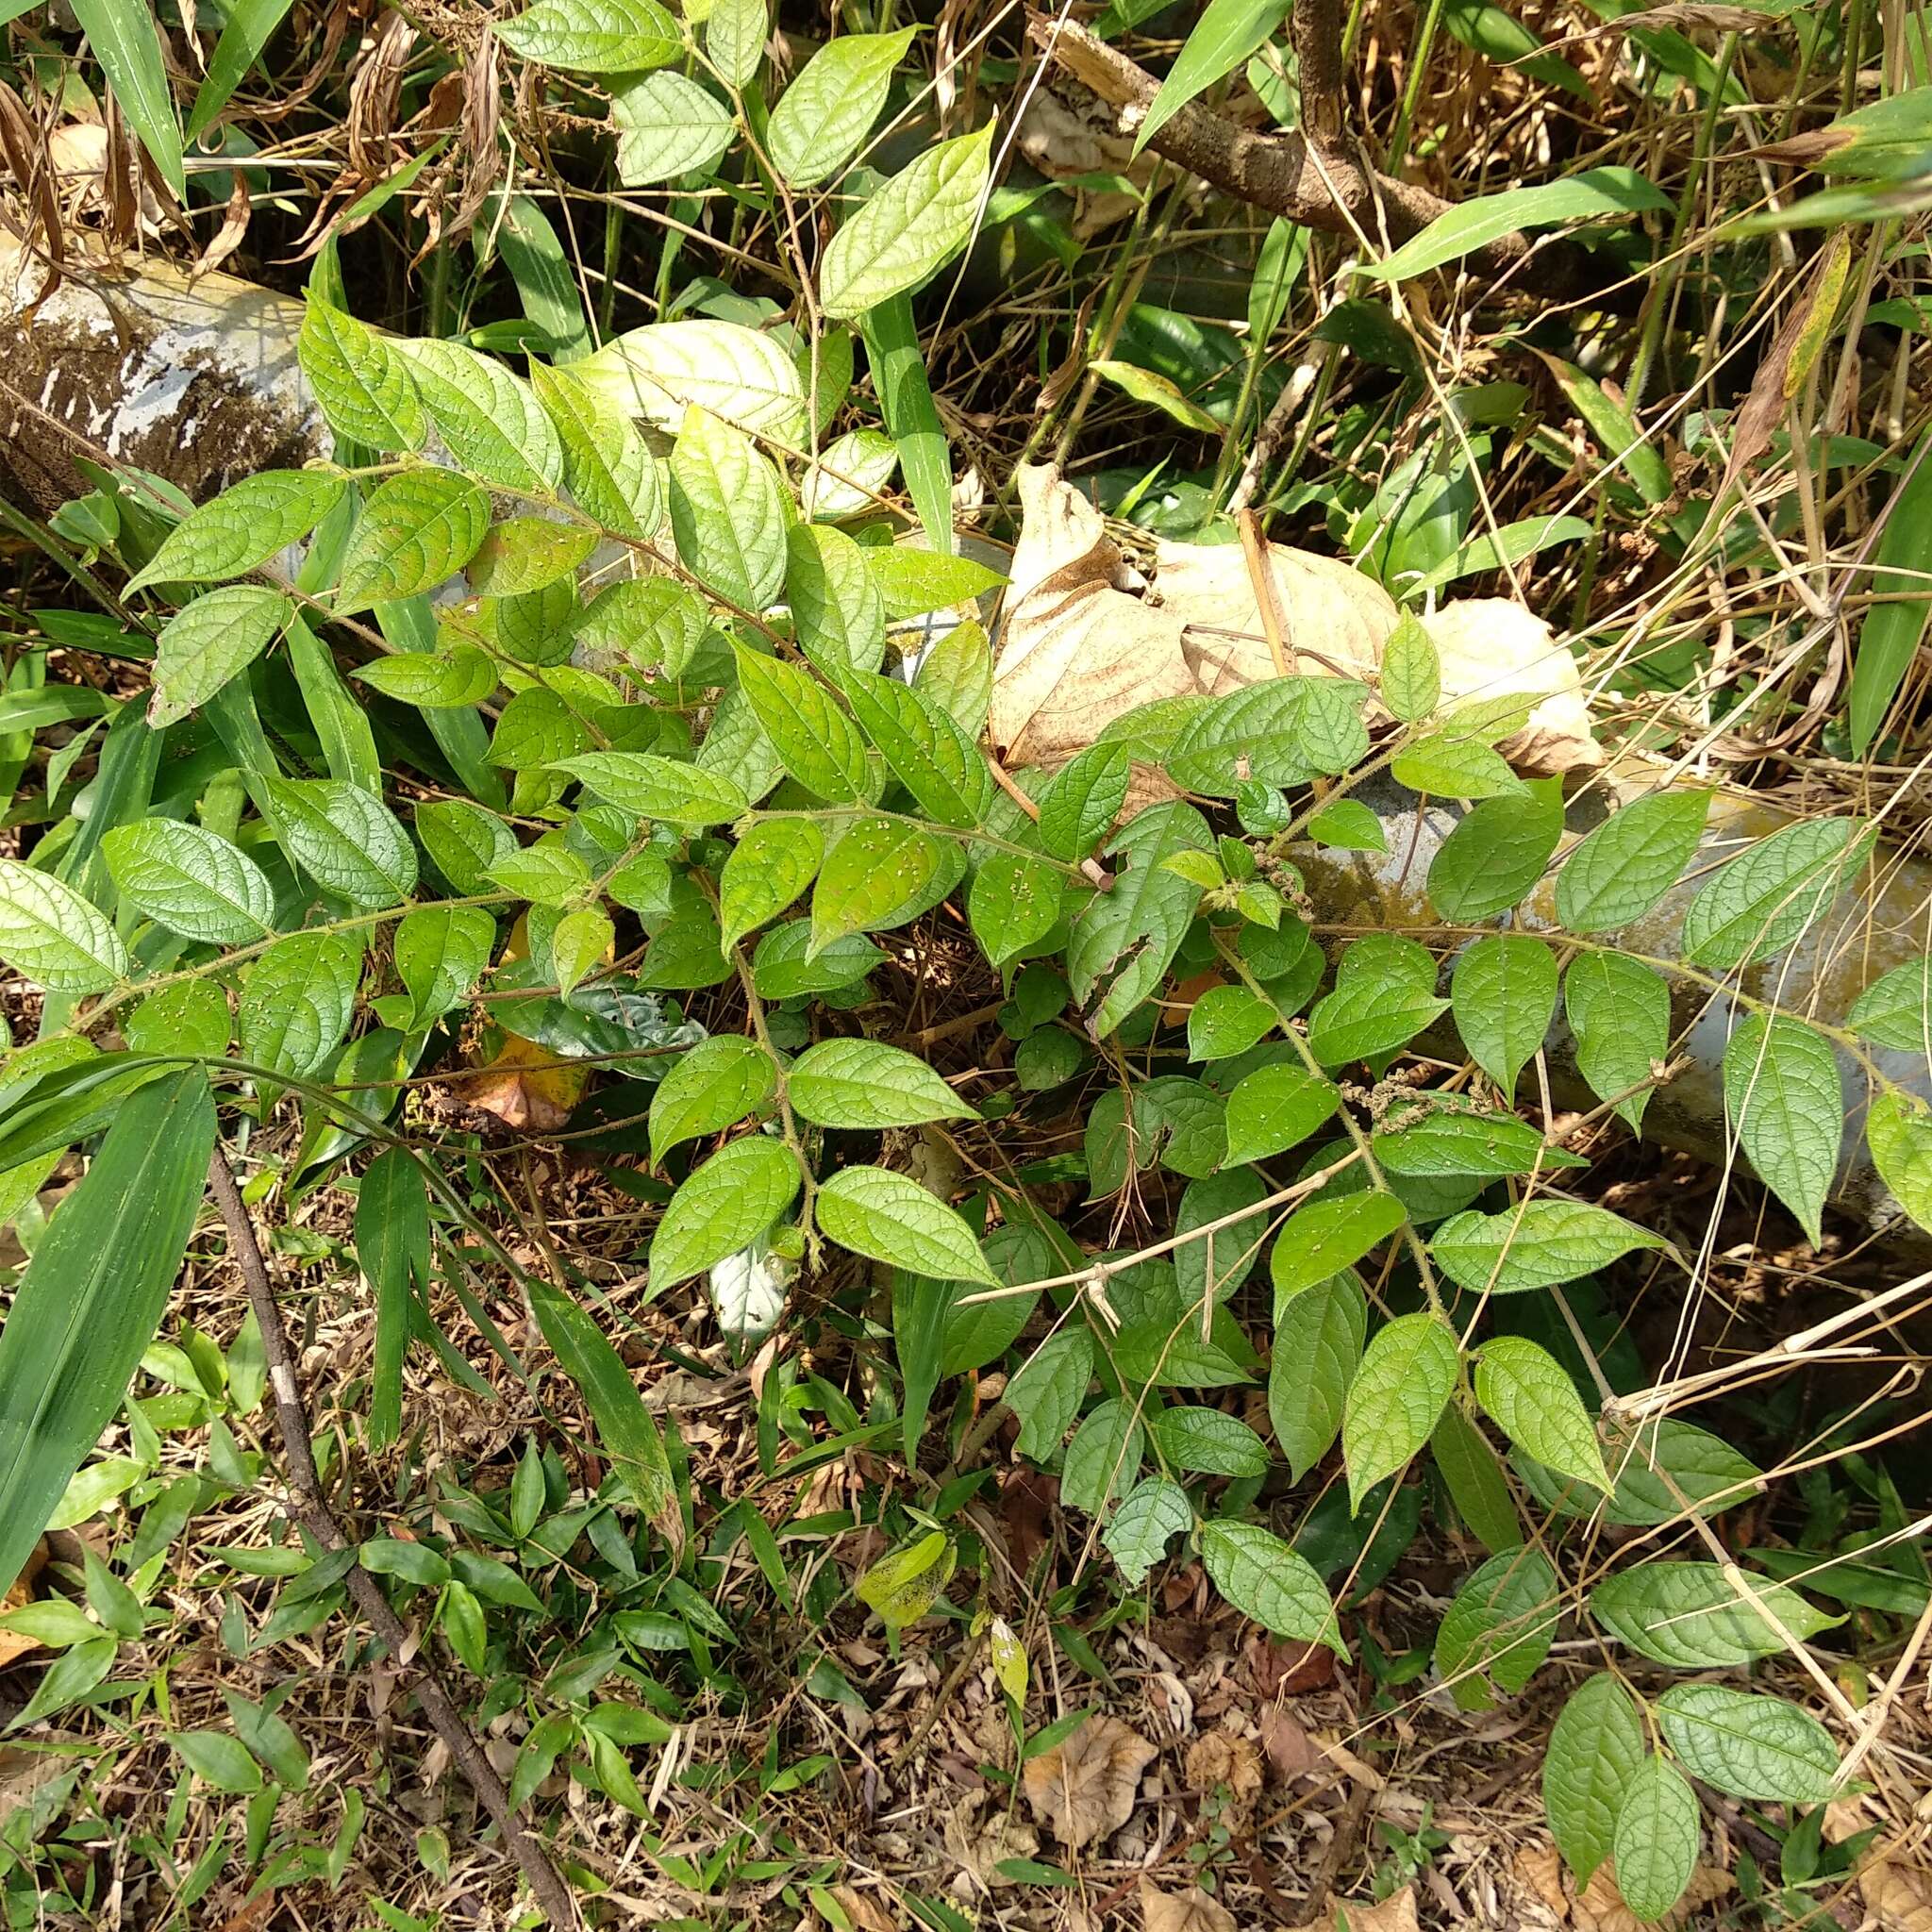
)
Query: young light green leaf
[
  {"x": 881, "y": 873},
  {"x": 909, "y": 228},
  {"x": 1630, "y": 861},
  {"x": 1541, "y": 1244},
  {"x": 1764, "y": 899},
  {"x": 742, "y": 376},
  {"x": 491, "y": 424},
  {"x": 345, "y": 839},
  {"x": 1595, "y": 1747},
  {"x": 1691, "y": 1617},
  {"x": 1272, "y": 1108},
  {"x": 209, "y": 641},
  {"x": 296, "y": 1002},
  {"x": 1499, "y": 1627},
  {"x": 242, "y": 529},
  {"x": 929, "y": 754},
  {"x": 820, "y": 745},
  {"x": 1318, "y": 1347},
  {"x": 1348, "y": 826},
  {"x": 581, "y": 940},
  {"x": 1619, "y": 1013},
  {"x": 1760, "y": 1748},
  {"x": 651, "y": 787},
  {"x": 361, "y": 380},
  {"x": 1655, "y": 1840},
  {"x": 838, "y": 615},
  {"x": 667, "y": 126},
  {"x": 1786, "y": 1104},
  {"x": 1895, "y": 1010},
  {"x": 1046, "y": 1391},
  {"x": 1455, "y": 768},
  {"x": 913, "y": 579},
  {"x": 52, "y": 936},
  {"x": 1405, "y": 1377},
  {"x": 727, "y": 513},
  {"x": 890, "y": 1217},
  {"x": 725, "y": 1205},
  {"x": 769, "y": 867},
  {"x": 717, "y": 1083},
  {"x": 1412, "y": 671},
  {"x": 824, "y": 114},
  {"x": 1226, "y": 33},
  {"x": 1139, "y": 1532},
  {"x": 606, "y": 466},
  {"x": 1327, "y": 1236},
  {"x": 190, "y": 880},
  {"x": 866, "y": 1084},
  {"x": 1898, "y": 1130},
  {"x": 1266, "y": 1581},
  {"x": 1472, "y": 225},
  {"x": 1496, "y": 853},
  {"x": 449, "y": 679},
  {"x": 595, "y": 36},
  {"x": 1534, "y": 1401},
  {"x": 735, "y": 35},
  {"x": 415, "y": 531}
]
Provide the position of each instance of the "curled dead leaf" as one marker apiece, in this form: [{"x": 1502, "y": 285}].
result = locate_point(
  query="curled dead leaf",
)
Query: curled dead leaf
[
  {"x": 1227, "y": 1767},
  {"x": 1184, "y": 1911},
  {"x": 526, "y": 1088},
  {"x": 1395, "y": 1913},
  {"x": 1085, "y": 1787}
]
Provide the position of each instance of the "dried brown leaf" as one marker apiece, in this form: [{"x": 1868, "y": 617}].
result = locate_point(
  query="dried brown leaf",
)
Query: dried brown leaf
[
  {"x": 1185, "y": 1911},
  {"x": 1085, "y": 1787},
  {"x": 1393, "y": 1914}
]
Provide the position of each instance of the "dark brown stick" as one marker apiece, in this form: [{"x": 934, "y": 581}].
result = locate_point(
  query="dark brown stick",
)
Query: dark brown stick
[
  {"x": 1315, "y": 26},
  {"x": 1328, "y": 190},
  {"x": 312, "y": 1511}
]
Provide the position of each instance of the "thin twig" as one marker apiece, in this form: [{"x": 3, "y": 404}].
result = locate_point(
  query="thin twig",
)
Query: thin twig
[{"x": 312, "y": 1510}]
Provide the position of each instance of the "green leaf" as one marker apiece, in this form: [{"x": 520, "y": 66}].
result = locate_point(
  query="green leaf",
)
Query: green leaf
[
  {"x": 903, "y": 1587},
  {"x": 1539, "y": 1245},
  {"x": 913, "y": 580},
  {"x": 819, "y": 744},
  {"x": 595, "y": 36},
  {"x": 928, "y": 753},
  {"x": 786, "y": 965},
  {"x": 1266, "y": 1581},
  {"x": 1208, "y": 1443},
  {"x": 441, "y": 951},
  {"x": 881, "y": 873},
  {"x": 606, "y": 466},
  {"x": 1760, "y": 902},
  {"x": 1595, "y": 1748},
  {"x": 1896, "y": 621},
  {"x": 1535, "y": 1403},
  {"x": 271, "y": 1739},
  {"x": 1128, "y": 937},
  {"x": 667, "y": 126},
  {"x": 190, "y": 880},
  {"x": 1274, "y": 1107},
  {"x": 1619, "y": 1013},
  {"x": 650, "y": 787},
  {"x": 1082, "y": 801},
  {"x": 89, "y": 1299},
  {"x": 627, "y": 1431},
  {"x": 392, "y": 1244},
  {"x": 735, "y": 36},
  {"x": 1282, "y": 731},
  {"x": 1138, "y": 1534},
  {"x": 448, "y": 679},
  {"x": 769, "y": 867},
  {"x": 296, "y": 1002},
  {"x": 1631, "y": 860},
  {"x": 217, "y": 1759},
  {"x": 1656, "y": 1839},
  {"x": 720, "y": 1082},
  {"x": 1227, "y": 32},
  {"x": 1760, "y": 1748},
  {"x": 1157, "y": 392},
  {"x": 492, "y": 425},
  {"x": 838, "y": 614},
  {"x": 1327, "y": 1236},
  {"x": 1104, "y": 1458},
  {"x": 1491, "y": 1145},
  {"x": 126, "y": 40},
  {"x": 1786, "y": 1104},
  {"x": 463, "y": 839},
  {"x": 1499, "y": 1627},
  {"x": 361, "y": 380},
  {"x": 1455, "y": 768},
  {"x": 246, "y": 31},
  {"x": 1046, "y": 1391},
  {"x": 1473, "y": 1474},
  {"x": 727, "y": 513},
  {"x": 1688, "y": 1616},
  {"x": 521, "y": 555},
  {"x": 908, "y": 229},
  {"x": 209, "y": 641},
  {"x": 1655, "y": 1465},
  {"x": 52, "y": 936},
  {"x": 1496, "y": 853},
  {"x": 1411, "y": 672},
  {"x": 1348, "y": 826},
  {"x": 1474, "y": 224},
  {"x": 415, "y": 531},
  {"x": 1014, "y": 904},
  {"x": 888, "y": 1217},
  {"x": 582, "y": 940},
  {"x": 242, "y": 529},
  {"x": 725, "y": 1205},
  {"x": 1405, "y": 1377},
  {"x": 1488, "y": 550},
  {"x": 742, "y": 376},
  {"x": 1318, "y": 1347},
  {"x": 1895, "y": 1010},
  {"x": 824, "y": 114},
  {"x": 347, "y": 841},
  {"x": 1384, "y": 996},
  {"x": 1226, "y": 1021},
  {"x": 866, "y": 1084},
  {"x": 1898, "y": 1130}
]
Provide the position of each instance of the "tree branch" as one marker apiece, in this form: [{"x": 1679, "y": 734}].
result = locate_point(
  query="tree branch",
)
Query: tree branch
[{"x": 312, "y": 1510}]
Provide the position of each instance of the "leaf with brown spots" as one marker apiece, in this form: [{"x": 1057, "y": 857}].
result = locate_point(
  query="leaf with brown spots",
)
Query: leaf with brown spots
[{"x": 1085, "y": 1789}]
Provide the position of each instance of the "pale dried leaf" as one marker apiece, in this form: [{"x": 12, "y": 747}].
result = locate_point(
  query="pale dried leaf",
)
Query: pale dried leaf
[
  {"x": 1541, "y": 1868},
  {"x": 1599, "y": 1908},
  {"x": 1185, "y": 1911},
  {"x": 1219, "y": 1761},
  {"x": 1085, "y": 1788},
  {"x": 1395, "y": 1914},
  {"x": 1490, "y": 647},
  {"x": 1062, "y": 142},
  {"x": 865, "y": 1911},
  {"x": 980, "y": 1847},
  {"x": 1289, "y": 1749},
  {"x": 1899, "y": 1897}
]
